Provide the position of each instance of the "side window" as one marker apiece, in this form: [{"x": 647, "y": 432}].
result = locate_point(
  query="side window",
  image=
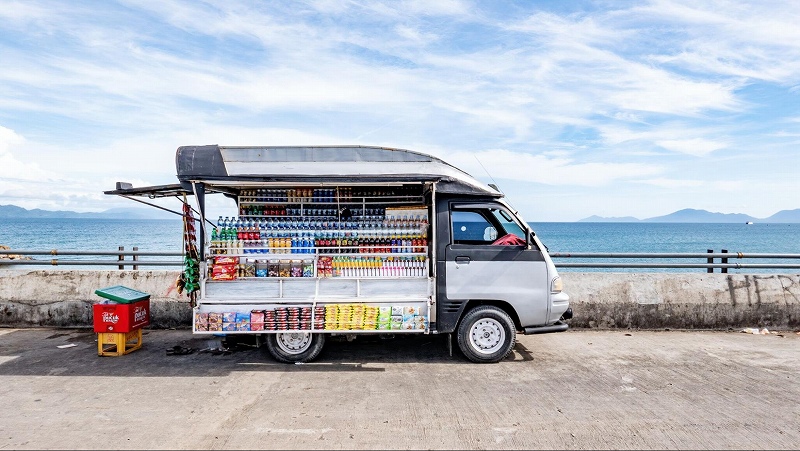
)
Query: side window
[
  {"x": 508, "y": 223},
  {"x": 471, "y": 227},
  {"x": 487, "y": 226}
]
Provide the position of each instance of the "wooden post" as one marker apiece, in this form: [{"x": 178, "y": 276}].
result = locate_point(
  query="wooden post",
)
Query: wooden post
[
  {"x": 135, "y": 257},
  {"x": 710, "y": 260},
  {"x": 121, "y": 257}
]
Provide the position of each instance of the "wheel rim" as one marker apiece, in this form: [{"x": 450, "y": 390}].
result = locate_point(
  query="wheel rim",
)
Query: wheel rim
[
  {"x": 487, "y": 336},
  {"x": 294, "y": 343}
]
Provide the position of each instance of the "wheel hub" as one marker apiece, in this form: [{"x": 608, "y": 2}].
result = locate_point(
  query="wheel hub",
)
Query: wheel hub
[
  {"x": 294, "y": 343},
  {"x": 487, "y": 336}
]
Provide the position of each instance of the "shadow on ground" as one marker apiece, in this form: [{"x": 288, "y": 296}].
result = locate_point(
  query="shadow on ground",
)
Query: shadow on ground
[{"x": 36, "y": 352}]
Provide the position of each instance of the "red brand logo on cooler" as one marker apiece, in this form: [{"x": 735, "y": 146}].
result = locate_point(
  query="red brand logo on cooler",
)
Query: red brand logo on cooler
[
  {"x": 109, "y": 317},
  {"x": 139, "y": 314}
]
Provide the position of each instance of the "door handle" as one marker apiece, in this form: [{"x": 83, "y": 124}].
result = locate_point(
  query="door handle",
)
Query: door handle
[{"x": 462, "y": 260}]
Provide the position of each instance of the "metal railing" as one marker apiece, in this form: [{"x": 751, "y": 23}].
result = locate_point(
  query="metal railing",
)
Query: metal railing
[
  {"x": 709, "y": 261},
  {"x": 710, "y": 258},
  {"x": 120, "y": 262}
]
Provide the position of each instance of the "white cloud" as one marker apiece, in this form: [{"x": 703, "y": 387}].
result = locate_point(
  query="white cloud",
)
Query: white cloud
[
  {"x": 672, "y": 183},
  {"x": 437, "y": 8},
  {"x": 505, "y": 164},
  {"x": 12, "y": 170},
  {"x": 22, "y": 11},
  {"x": 729, "y": 185},
  {"x": 691, "y": 141},
  {"x": 698, "y": 146},
  {"x": 757, "y": 40}
]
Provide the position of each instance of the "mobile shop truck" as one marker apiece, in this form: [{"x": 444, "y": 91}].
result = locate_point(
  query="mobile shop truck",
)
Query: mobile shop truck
[{"x": 360, "y": 240}]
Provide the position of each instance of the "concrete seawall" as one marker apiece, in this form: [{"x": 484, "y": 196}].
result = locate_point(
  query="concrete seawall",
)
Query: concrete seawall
[{"x": 64, "y": 298}]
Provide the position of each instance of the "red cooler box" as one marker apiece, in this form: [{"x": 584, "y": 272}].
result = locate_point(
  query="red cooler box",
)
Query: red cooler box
[{"x": 126, "y": 310}]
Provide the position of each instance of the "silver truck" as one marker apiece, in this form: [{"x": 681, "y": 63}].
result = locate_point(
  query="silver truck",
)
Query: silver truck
[{"x": 350, "y": 240}]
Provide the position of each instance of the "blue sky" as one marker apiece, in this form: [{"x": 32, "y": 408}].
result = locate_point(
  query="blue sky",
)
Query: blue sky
[{"x": 573, "y": 108}]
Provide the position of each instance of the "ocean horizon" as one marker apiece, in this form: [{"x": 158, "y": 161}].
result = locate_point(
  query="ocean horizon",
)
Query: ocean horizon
[{"x": 165, "y": 235}]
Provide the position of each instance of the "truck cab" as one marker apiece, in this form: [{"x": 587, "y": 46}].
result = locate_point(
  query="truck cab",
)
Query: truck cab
[{"x": 351, "y": 240}]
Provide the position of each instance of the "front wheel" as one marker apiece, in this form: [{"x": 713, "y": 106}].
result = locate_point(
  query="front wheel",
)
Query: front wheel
[
  {"x": 486, "y": 334},
  {"x": 295, "y": 347}
]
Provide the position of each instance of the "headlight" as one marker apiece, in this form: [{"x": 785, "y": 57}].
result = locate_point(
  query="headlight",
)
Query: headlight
[{"x": 556, "y": 285}]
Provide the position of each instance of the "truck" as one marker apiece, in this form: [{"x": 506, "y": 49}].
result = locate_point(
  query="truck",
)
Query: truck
[{"x": 351, "y": 240}]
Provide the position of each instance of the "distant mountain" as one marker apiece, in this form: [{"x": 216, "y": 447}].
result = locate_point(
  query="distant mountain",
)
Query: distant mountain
[
  {"x": 595, "y": 218},
  {"x": 12, "y": 211},
  {"x": 692, "y": 215},
  {"x": 784, "y": 216},
  {"x": 703, "y": 216}
]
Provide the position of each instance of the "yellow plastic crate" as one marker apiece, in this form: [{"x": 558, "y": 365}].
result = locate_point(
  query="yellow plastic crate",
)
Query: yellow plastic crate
[{"x": 118, "y": 343}]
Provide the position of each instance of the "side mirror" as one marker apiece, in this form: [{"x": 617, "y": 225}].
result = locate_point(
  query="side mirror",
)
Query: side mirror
[{"x": 489, "y": 234}]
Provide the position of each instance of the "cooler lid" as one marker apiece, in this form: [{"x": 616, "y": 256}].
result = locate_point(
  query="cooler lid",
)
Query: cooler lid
[{"x": 122, "y": 294}]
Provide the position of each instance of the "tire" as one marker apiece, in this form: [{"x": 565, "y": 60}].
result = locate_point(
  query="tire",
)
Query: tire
[
  {"x": 486, "y": 334},
  {"x": 295, "y": 347}
]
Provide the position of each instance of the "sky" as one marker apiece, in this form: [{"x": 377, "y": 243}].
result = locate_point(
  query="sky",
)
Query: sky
[{"x": 578, "y": 108}]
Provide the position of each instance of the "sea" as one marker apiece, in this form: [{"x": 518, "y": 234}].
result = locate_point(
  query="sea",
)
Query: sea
[{"x": 166, "y": 235}]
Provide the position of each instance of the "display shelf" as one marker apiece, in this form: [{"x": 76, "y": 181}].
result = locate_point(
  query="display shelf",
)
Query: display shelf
[
  {"x": 308, "y": 202},
  {"x": 354, "y": 248},
  {"x": 281, "y": 290},
  {"x": 319, "y": 331},
  {"x": 340, "y": 251},
  {"x": 353, "y": 201},
  {"x": 347, "y": 317}
]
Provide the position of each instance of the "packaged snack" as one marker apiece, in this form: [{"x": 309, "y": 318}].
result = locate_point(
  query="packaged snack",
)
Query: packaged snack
[
  {"x": 228, "y": 327},
  {"x": 273, "y": 269},
  {"x": 397, "y": 310},
  {"x": 214, "y": 327},
  {"x": 229, "y": 317},
  {"x": 408, "y": 325},
  {"x": 249, "y": 269},
  {"x": 410, "y": 310},
  {"x": 224, "y": 272},
  {"x": 396, "y": 322},
  {"x": 261, "y": 268},
  {"x": 308, "y": 268},
  {"x": 243, "y": 321},
  {"x": 226, "y": 260},
  {"x": 284, "y": 268},
  {"x": 296, "y": 268},
  {"x": 242, "y": 317},
  {"x": 201, "y": 318},
  {"x": 257, "y": 316},
  {"x": 215, "y": 318}
]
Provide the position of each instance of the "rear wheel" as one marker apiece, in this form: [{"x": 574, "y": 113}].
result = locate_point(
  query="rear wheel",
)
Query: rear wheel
[
  {"x": 294, "y": 347},
  {"x": 486, "y": 334}
]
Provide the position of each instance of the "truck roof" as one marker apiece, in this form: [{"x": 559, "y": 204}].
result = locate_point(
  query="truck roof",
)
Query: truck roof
[
  {"x": 341, "y": 164},
  {"x": 230, "y": 166}
]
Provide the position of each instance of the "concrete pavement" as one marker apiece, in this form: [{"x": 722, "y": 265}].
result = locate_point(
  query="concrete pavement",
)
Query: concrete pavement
[{"x": 581, "y": 389}]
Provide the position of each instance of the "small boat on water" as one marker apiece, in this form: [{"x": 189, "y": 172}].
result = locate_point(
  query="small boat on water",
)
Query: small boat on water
[{"x": 749, "y": 222}]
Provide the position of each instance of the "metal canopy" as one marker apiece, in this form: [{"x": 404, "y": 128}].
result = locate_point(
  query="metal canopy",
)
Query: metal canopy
[
  {"x": 230, "y": 165},
  {"x": 223, "y": 169},
  {"x": 153, "y": 192}
]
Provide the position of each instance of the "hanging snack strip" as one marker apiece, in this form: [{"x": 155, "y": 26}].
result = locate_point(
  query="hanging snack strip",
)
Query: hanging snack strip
[{"x": 190, "y": 278}]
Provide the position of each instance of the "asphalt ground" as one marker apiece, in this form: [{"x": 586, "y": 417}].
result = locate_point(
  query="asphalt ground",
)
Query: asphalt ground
[{"x": 580, "y": 389}]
